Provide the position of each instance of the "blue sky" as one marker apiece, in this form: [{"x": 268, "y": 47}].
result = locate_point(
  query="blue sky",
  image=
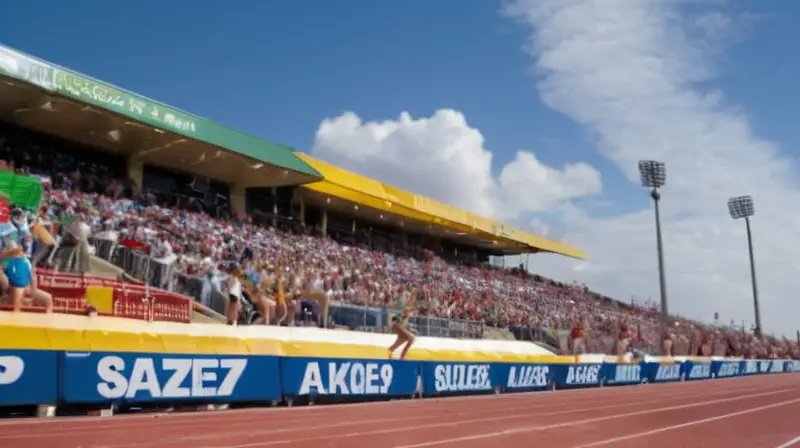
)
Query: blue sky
[
  {"x": 276, "y": 69},
  {"x": 590, "y": 93}
]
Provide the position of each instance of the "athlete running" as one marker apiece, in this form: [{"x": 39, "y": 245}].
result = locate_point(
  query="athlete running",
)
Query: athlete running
[{"x": 399, "y": 326}]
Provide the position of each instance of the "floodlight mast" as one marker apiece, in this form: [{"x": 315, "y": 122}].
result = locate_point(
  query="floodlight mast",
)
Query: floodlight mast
[
  {"x": 654, "y": 176},
  {"x": 741, "y": 207}
]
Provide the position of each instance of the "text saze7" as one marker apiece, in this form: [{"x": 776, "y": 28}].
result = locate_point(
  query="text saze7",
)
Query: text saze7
[{"x": 145, "y": 377}]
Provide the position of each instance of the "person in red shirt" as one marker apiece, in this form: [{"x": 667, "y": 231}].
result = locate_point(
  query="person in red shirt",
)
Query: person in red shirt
[
  {"x": 623, "y": 341},
  {"x": 577, "y": 338}
]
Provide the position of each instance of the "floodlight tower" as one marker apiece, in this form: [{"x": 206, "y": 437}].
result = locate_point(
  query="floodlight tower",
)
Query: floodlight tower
[
  {"x": 742, "y": 207},
  {"x": 654, "y": 176}
]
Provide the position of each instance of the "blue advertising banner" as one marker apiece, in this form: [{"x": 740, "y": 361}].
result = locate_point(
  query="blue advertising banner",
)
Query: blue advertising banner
[
  {"x": 749, "y": 368},
  {"x": 100, "y": 377},
  {"x": 28, "y": 377},
  {"x": 661, "y": 373},
  {"x": 345, "y": 377},
  {"x": 521, "y": 377},
  {"x": 450, "y": 377},
  {"x": 577, "y": 375},
  {"x": 791, "y": 366},
  {"x": 726, "y": 369},
  {"x": 623, "y": 374},
  {"x": 776, "y": 366},
  {"x": 697, "y": 370}
]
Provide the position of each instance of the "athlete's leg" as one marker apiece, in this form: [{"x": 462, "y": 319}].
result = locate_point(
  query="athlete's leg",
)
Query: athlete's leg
[
  {"x": 39, "y": 296},
  {"x": 232, "y": 310},
  {"x": 6, "y": 294},
  {"x": 17, "y": 294},
  {"x": 407, "y": 347}
]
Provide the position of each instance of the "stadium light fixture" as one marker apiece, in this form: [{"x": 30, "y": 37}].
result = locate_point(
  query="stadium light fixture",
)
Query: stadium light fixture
[
  {"x": 741, "y": 207},
  {"x": 654, "y": 176}
]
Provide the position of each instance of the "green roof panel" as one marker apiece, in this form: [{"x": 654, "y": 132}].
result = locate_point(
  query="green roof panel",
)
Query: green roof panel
[{"x": 62, "y": 81}]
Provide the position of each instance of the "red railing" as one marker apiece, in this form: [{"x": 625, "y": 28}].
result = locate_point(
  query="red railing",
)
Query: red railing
[
  {"x": 131, "y": 300},
  {"x": 152, "y": 305}
]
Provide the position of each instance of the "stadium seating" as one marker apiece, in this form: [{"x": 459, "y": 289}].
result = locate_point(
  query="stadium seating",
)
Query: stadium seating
[{"x": 363, "y": 280}]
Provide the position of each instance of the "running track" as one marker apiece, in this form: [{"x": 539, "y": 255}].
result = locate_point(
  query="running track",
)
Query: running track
[{"x": 753, "y": 412}]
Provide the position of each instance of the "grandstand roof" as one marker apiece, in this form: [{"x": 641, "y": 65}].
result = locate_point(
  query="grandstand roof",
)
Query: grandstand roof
[
  {"x": 45, "y": 97},
  {"x": 413, "y": 209},
  {"x": 33, "y": 92}
]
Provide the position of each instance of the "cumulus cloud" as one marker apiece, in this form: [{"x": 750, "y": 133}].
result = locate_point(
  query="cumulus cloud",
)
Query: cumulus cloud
[
  {"x": 636, "y": 73},
  {"x": 639, "y": 75},
  {"x": 413, "y": 154}
]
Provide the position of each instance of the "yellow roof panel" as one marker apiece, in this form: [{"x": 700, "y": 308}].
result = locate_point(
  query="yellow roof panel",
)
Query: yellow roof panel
[
  {"x": 344, "y": 178},
  {"x": 358, "y": 189}
]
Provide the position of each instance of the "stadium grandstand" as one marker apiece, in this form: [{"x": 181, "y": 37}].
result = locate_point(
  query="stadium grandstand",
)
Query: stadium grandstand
[{"x": 153, "y": 207}]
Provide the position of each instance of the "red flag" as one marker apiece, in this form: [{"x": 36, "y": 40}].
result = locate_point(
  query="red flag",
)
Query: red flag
[{"x": 135, "y": 245}]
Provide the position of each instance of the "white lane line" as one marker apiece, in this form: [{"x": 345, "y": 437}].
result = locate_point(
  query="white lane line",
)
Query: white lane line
[
  {"x": 228, "y": 417},
  {"x": 694, "y": 423},
  {"x": 504, "y": 416},
  {"x": 91, "y": 421},
  {"x": 793, "y": 442},
  {"x": 598, "y": 392},
  {"x": 422, "y": 414},
  {"x": 500, "y": 433},
  {"x": 679, "y": 394},
  {"x": 561, "y": 395}
]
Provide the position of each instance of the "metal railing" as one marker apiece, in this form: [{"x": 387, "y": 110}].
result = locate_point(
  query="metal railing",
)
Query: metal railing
[
  {"x": 208, "y": 291},
  {"x": 377, "y": 319},
  {"x": 137, "y": 264}
]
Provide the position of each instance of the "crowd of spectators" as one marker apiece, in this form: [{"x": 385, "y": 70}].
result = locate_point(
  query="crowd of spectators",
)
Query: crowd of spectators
[{"x": 357, "y": 272}]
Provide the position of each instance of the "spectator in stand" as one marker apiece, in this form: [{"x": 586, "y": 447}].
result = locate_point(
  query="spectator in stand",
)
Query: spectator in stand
[
  {"x": 623, "y": 341},
  {"x": 17, "y": 277},
  {"x": 234, "y": 294},
  {"x": 667, "y": 342},
  {"x": 578, "y": 338}
]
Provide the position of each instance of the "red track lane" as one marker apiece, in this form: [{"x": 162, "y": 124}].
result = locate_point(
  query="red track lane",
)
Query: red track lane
[
  {"x": 768, "y": 428},
  {"x": 612, "y": 430},
  {"x": 761, "y": 410},
  {"x": 382, "y": 413}
]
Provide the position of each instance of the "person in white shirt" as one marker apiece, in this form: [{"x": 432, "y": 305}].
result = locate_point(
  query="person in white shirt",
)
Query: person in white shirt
[
  {"x": 234, "y": 294},
  {"x": 161, "y": 249},
  {"x": 210, "y": 281}
]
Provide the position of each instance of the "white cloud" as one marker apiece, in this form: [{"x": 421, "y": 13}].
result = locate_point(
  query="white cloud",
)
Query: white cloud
[
  {"x": 631, "y": 72},
  {"x": 413, "y": 154},
  {"x": 636, "y": 74}
]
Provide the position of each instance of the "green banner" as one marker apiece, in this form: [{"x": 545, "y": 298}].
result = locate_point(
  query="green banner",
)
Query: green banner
[
  {"x": 53, "y": 78},
  {"x": 59, "y": 80}
]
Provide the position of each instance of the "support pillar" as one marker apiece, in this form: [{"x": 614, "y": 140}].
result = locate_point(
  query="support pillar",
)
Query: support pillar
[
  {"x": 237, "y": 201},
  {"x": 302, "y": 211},
  {"x": 135, "y": 170}
]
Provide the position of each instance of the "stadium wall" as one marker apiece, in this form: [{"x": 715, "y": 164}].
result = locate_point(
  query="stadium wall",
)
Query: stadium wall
[{"x": 76, "y": 360}]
